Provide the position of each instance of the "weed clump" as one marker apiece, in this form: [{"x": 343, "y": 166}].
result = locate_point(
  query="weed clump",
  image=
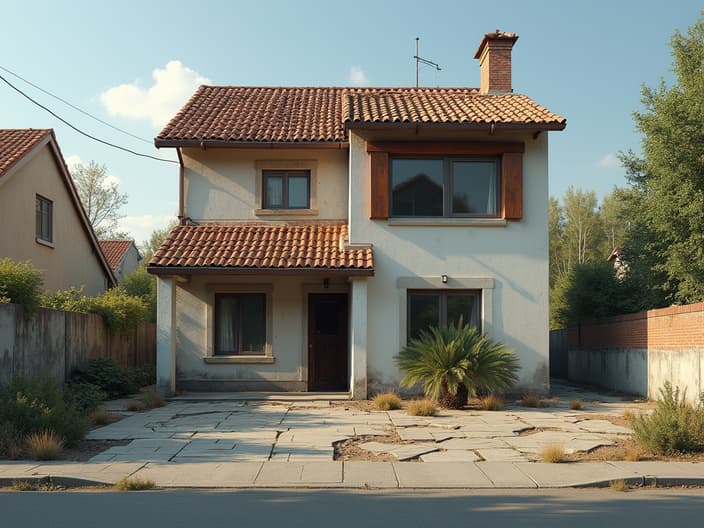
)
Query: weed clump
[
  {"x": 387, "y": 401},
  {"x": 422, "y": 408}
]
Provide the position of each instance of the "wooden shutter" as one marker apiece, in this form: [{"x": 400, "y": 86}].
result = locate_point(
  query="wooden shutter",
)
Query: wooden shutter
[
  {"x": 512, "y": 186},
  {"x": 379, "y": 198}
]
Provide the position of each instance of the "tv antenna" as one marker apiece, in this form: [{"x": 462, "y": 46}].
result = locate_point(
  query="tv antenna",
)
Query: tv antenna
[{"x": 421, "y": 60}]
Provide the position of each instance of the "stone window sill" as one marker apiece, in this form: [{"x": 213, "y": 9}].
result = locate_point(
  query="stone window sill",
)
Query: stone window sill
[
  {"x": 286, "y": 212},
  {"x": 45, "y": 242},
  {"x": 449, "y": 222},
  {"x": 229, "y": 360}
]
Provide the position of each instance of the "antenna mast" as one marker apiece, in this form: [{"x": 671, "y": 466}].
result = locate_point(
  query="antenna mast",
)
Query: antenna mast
[{"x": 421, "y": 60}]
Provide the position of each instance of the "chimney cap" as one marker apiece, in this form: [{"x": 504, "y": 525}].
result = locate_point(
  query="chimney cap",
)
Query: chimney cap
[{"x": 497, "y": 35}]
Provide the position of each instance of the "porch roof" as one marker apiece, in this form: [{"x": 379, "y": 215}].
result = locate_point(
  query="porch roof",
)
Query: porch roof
[{"x": 243, "y": 248}]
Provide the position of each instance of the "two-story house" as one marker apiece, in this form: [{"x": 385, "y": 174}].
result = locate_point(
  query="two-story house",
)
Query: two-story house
[{"x": 321, "y": 228}]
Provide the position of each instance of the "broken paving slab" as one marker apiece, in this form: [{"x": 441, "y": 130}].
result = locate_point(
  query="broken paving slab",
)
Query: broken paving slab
[
  {"x": 450, "y": 456},
  {"x": 502, "y": 455},
  {"x": 603, "y": 426},
  {"x": 462, "y": 444}
]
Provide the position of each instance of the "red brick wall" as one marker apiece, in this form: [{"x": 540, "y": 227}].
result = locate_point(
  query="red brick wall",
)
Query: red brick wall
[{"x": 676, "y": 327}]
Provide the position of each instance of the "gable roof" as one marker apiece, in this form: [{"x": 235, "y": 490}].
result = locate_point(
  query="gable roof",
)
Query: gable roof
[
  {"x": 249, "y": 114},
  {"x": 255, "y": 247},
  {"x": 115, "y": 250},
  {"x": 18, "y": 146}
]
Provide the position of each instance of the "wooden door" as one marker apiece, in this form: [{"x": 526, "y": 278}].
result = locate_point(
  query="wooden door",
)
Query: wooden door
[{"x": 327, "y": 342}]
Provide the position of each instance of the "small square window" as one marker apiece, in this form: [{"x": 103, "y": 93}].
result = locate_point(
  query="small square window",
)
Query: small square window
[
  {"x": 286, "y": 189},
  {"x": 44, "y": 219},
  {"x": 240, "y": 324}
]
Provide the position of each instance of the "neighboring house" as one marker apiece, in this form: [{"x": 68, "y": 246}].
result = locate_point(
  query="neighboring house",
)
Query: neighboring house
[
  {"x": 320, "y": 228},
  {"x": 42, "y": 217},
  {"x": 122, "y": 255}
]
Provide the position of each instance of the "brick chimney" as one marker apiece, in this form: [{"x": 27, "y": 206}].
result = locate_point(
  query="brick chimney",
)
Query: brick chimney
[{"x": 494, "y": 54}]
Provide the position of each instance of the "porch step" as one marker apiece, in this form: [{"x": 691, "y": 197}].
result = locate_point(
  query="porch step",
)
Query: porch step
[{"x": 261, "y": 396}]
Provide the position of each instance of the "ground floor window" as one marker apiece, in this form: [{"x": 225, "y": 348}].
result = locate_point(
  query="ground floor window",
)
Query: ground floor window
[
  {"x": 428, "y": 308},
  {"x": 240, "y": 323}
]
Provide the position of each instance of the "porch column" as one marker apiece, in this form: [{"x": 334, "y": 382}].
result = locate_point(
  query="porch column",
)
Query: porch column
[
  {"x": 358, "y": 332},
  {"x": 166, "y": 335}
]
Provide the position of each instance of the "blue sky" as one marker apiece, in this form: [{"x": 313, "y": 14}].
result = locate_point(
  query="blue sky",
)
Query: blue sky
[{"x": 133, "y": 63}]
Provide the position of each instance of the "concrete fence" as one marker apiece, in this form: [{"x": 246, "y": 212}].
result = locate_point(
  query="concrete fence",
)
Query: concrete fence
[
  {"x": 638, "y": 353},
  {"x": 51, "y": 343}
]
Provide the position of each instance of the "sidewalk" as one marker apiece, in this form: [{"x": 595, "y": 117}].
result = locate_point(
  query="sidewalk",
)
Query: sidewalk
[{"x": 360, "y": 475}]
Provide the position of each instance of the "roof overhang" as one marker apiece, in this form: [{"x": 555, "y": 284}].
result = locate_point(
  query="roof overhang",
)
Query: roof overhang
[
  {"x": 180, "y": 270},
  {"x": 220, "y": 143},
  {"x": 490, "y": 127}
]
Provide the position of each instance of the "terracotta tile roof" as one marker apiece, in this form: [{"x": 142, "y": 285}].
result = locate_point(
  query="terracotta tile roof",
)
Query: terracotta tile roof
[
  {"x": 114, "y": 250},
  {"x": 15, "y": 143},
  {"x": 308, "y": 246},
  {"x": 293, "y": 115}
]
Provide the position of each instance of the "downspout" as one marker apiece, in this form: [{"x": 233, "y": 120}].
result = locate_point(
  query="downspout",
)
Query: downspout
[{"x": 180, "y": 187}]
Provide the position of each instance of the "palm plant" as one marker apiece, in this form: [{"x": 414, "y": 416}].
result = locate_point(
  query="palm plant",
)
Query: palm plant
[{"x": 452, "y": 362}]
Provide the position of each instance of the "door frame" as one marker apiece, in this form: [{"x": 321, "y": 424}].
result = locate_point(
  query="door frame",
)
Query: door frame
[{"x": 309, "y": 337}]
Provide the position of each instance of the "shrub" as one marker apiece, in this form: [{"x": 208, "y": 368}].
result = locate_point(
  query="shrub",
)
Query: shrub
[
  {"x": 532, "y": 400},
  {"x": 122, "y": 312},
  {"x": 10, "y": 441},
  {"x": 134, "y": 484},
  {"x": 70, "y": 300},
  {"x": 576, "y": 405},
  {"x": 553, "y": 454},
  {"x": 491, "y": 403},
  {"x": 422, "y": 408},
  {"x": 86, "y": 396},
  {"x": 674, "y": 427},
  {"x": 32, "y": 406},
  {"x": 454, "y": 361},
  {"x": 20, "y": 283},
  {"x": 140, "y": 283},
  {"x": 387, "y": 401},
  {"x": 102, "y": 417},
  {"x": 45, "y": 445},
  {"x": 107, "y": 376},
  {"x": 152, "y": 400},
  {"x": 136, "y": 406}
]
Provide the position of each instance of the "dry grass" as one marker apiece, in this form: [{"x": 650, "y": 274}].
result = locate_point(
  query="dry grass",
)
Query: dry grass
[
  {"x": 634, "y": 454},
  {"x": 46, "y": 445},
  {"x": 152, "y": 400},
  {"x": 532, "y": 400},
  {"x": 387, "y": 401},
  {"x": 618, "y": 485},
  {"x": 491, "y": 403},
  {"x": 135, "y": 406},
  {"x": 102, "y": 417},
  {"x": 25, "y": 485},
  {"x": 134, "y": 484},
  {"x": 422, "y": 408},
  {"x": 576, "y": 405},
  {"x": 628, "y": 415},
  {"x": 553, "y": 454}
]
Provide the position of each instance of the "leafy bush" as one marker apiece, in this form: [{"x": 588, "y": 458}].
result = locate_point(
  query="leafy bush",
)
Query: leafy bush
[
  {"x": 32, "y": 406},
  {"x": 71, "y": 299},
  {"x": 20, "y": 283},
  {"x": 86, "y": 396},
  {"x": 104, "y": 374},
  {"x": 140, "y": 283},
  {"x": 454, "y": 361},
  {"x": 387, "y": 401},
  {"x": 674, "y": 427},
  {"x": 122, "y": 312}
]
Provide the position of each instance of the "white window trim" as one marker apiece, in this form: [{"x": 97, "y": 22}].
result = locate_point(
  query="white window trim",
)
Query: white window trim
[
  {"x": 309, "y": 165},
  {"x": 210, "y": 357},
  {"x": 483, "y": 284}
]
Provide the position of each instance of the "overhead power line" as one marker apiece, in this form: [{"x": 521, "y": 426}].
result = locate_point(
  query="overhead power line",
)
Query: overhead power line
[
  {"x": 113, "y": 145},
  {"x": 73, "y": 106}
]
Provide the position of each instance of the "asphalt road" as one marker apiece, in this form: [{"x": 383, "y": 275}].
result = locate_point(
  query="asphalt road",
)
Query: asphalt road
[{"x": 341, "y": 509}]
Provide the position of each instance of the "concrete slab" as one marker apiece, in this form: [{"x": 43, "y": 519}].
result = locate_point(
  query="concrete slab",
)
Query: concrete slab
[
  {"x": 502, "y": 455},
  {"x": 573, "y": 474},
  {"x": 365, "y": 474},
  {"x": 441, "y": 475},
  {"x": 472, "y": 443},
  {"x": 450, "y": 456},
  {"x": 276, "y": 475},
  {"x": 506, "y": 475},
  {"x": 206, "y": 475}
]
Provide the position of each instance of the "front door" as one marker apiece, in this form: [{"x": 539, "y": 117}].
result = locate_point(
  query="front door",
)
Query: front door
[{"x": 327, "y": 342}]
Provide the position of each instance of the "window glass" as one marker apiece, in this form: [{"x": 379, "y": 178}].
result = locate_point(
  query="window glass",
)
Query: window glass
[
  {"x": 424, "y": 311},
  {"x": 474, "y": 187},
  {"x": 298, "y": 191},
  {"x": 274, "y": 191},
  {"x": 462, "y": 306},
  {"x": 44, "y": 212},
  {"x": 240, "y": 323},
  {"x": 417, "y": 187}
]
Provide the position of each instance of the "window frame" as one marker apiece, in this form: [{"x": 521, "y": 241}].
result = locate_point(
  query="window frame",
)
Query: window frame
[
  {"x": 448, "y": 187},
  {"x": 40, "y": 213},
  {"x": 286, "y": 174},
  {"x": 442, "y": 295},
  {"x": 216, "y": 327}
]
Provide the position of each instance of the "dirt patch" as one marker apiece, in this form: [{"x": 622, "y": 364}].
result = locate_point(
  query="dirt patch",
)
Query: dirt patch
[
  {"x": 87, "y": 449},
  {"x": 627, "y": 447},
  {"x": 613, "y": 418},
  {"x": 347, "y": 450}
]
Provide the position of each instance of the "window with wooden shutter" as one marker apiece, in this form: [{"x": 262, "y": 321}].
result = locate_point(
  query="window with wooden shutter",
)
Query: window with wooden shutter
[{"x": 512, "y": 185}]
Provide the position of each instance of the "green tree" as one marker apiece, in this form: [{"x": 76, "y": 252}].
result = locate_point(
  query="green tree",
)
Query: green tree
[
  {"x": 100, "y": 197},
  {"x": 665, "y": 246},
  {"x": 149, "y": 247}
]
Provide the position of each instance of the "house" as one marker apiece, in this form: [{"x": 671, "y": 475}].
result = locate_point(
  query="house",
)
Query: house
[
  {"x": 42, "y": 217},
  {"x": 320, "y": 228},
  {"x": 122, "y": 255}
]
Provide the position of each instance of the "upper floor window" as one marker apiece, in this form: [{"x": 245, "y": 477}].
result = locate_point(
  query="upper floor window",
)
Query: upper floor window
[
  {"x": 431, "y": 187},
  {"x": 288, "y": 189},
  {"x": 44, "y": 219}
]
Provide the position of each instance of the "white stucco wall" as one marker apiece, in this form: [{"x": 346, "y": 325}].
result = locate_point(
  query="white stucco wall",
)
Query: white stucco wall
[
  {"x": 130, "y": 262},
  {"x": 515, "y": 256},
  {"x": 224, "y": 184},
  {"x": 71, "y": 260}
]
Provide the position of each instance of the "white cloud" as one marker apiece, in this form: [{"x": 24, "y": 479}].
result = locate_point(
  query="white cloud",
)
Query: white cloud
[
  {"x": 72, "y": 161},
  {"x": 140, "y": 227},
  {"x": 358, "y": 77},
  {"x": 173, "y": 85},
  {"x": 609, "y": 161}
]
